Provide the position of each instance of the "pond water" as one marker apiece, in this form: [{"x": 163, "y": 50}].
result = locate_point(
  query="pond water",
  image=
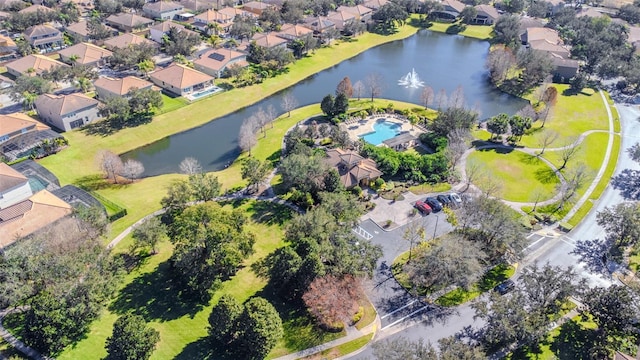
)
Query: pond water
[{"x": 441, "y": 61}]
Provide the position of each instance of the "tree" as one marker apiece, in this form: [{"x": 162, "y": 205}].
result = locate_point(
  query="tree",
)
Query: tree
[
  {"x": 345, "y": 87},
  {"x": 288, "y": 103},
  {"x": 456, "y": 100},
  {"x": 547, "y": 138},
  {"x": 340, "y": 105},
  {"x": 550, "y": 98},
  {"x": 536, "y": 66},
  {"x": 32, "y": 85},
  {"x": 97, "y": 30},
  {"x": 519, "y": 125},
  {"x": 427, "y": 96},
  {"x": 223, "y": 320},
  {"x": 148, "y": 234},
  {"x": 630, "y": 13},
  {"x": 305, "y": 173},
  {"x": 145, "y": 67},
  {"x": 132, "y": 169},
  {"x": 621, "y": 223},
  {"x": 507, "y": 29},
  {"x": 190, "y": 166},
  {"x": 116, "y": 110},
  {"x": 254, "y": 171},
  {"x": 538, "y": 9},
  {"x": 453, "y": 118},
  {"x": 569, "y": 151},
  {"x": 358, "y": 89},
  {"x": 414, "y": 233},
  {"x": 180, "y": 42},
  {"x": 548, "y": 286},
  {"x": 110, "y": 164},
  {"x": 614, "y": 310},
  {"x": 498, "y": 125},
  {"x": 210, "y": 245},
  {"x": 332, "y": 300},
  {"x": 178, "y": 196},
  {"x": 84, "y": 84},
  {"x": 458, "y": 142},
  {"x": 327, "y": 105},
  {"x": 451, "y": 260},
  {"x": 144, "y": 101},
  {"x": 400, "y": 348},
  {"x": 131, "y": 339},
  {"x": 260, "y": 329},
  {"x": 247, "y": 136},
  {"x": 514, "y": 6},
  {"x": 454, "y": 348},
  {"x": 578, "y": 82},
  {"x": 390, "y": 14},
  {"x": 131, "y": 56},
  {"x": 468, "y": 14},
  {"x": 204, "y": 187},
  {"x": 373, "y": 83},
  {"x": 499, "y": 63}
]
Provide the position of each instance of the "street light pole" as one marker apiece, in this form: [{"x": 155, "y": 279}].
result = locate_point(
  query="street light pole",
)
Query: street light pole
[{"x": 436, "y": 227}]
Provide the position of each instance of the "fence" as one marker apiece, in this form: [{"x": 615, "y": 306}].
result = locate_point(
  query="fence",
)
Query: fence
[{"x": 114, "y": 211}]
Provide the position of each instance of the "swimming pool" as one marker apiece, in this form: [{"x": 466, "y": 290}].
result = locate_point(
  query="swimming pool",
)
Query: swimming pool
[{"x": 382, "y": 130}]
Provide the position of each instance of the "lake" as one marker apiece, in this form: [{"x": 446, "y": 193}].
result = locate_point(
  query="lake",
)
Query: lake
[{"x": 441, "y": 61}]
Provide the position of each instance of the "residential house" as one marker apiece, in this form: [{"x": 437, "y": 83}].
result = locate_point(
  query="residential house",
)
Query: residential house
[
  {"x": 590, "y": 12},
  {"x": 401, "y": 141},
  {"x": 555, "y": 6},
  {"x": 319, "y": 24},
  {"x": 451, "y": 9},
  {"x": 67, "y": 112},
  {"x": 375, "y": 4},
  {"x": 354, "y": 170},
  {"x": 527, "y": 22},
  {"x": 634, "y": 37},
  {"x": 181, "y": 80},
  {"x": 548, "y": 41},
  {"x": 341, "y": 18},
  {"x": 125, "y": 40},
  {"x": 163, "y": 10},
  {"x": 6, "y": 4},
  {"x": 30, "y": 215},
  {"x": 361, "y": 12},
  {"x": 158, "y": 31},
  {"x": 565, "y": 68},
  {"x": 5, "y": 15},
  {"x": 201, "y": 21},
  {"x": 107, "y": 87},
  {"x": 198, "y": 5},
  {"x": 292, "y": 32},
  {"x": 128, "y": 22},
  {"x": 45, "y": 38},
  {"x": 486, "y": 15},
  {"x": 232, "y": 12},
  {"x": 80, "y": 32},
  {"x": 257, "y": 7},
  {"x": 269, "y": 40},
  {"x": 549, "y": 47},
  {"x": 14, "y": 187},
  {"x": 540, "y": 33},
  {"x": 84, "y": 54},
  {"x": 20, "y": 134},
  {"x": 215, "y": 61},
  {"x": 32, "y": 65},
  {"x": 35, "y": 8},
  {"x": 7, "y": 46}
]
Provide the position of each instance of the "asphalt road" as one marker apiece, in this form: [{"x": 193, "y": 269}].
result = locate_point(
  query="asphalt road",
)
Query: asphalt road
[{"x": 403, "y": 316}]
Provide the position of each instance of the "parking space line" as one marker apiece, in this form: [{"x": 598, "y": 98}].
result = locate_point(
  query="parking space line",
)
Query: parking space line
[
  {"x": 404, "y": 318},
  {"x": 398, "y": 309}
]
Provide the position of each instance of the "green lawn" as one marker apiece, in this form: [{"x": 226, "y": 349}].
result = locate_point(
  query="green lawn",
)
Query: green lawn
[
  {"x": 182, "y": 326},
  {"x": 493, "y": 277},
  {"x": 520, "y": 174},
  {"x": 427, "y": 188},
  {"x": 481, "y": 32},
  {"x": 341, "y": 350},
  {"x": 171, "y": 103},
  {"x": 572, "y": 115}
]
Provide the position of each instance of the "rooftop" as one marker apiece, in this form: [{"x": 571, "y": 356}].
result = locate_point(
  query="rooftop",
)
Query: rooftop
[
  {"x": 129, "y": 20},
  {"x": 121, "y": 86},
  {"x": 162, "y": 6},
  {"x": 216, "y": 59},
  {"x": 63, "y": 104},
  {"x": 127, "y": 39},
  {"x": 10, "y": 123},
  {"x": 10, "y": 178},
  {"x": 86, "y": 53},
  {"x": 180, "y": 76}
]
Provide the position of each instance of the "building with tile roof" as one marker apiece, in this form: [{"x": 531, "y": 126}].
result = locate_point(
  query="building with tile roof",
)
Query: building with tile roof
[
  {"x": 14, "y": 187},
  {"x": 36, "y": 8},
  {"x": 128, "y": 22},
  {"x": 341, "y": 18},
  {"x": 85, "y": 53},
  {"x": 158, "y": 31},
  {"x": 163, "y": 10},
  {"x": 125, "y": 40},
  {"x": 292, "y": 32},
  {"x": 67, "y": 112},
  {"x": 181, "y": 80},
  {"x": 45, "y": 38},
  {"x": 269, "y": 40},
  {"x": 215, "y": 61},
  {"x": 257, "y": 7},
  {"x": 32, "y": 65},
  {"x": 80, "y": 32},
  {"x": 353, "y": 169},
  {"x": 361, "y": 12},
  {"x": 486, "y": 15},
  {"x": 107, "y": 87},
  {"x": 7, "y": 46}
]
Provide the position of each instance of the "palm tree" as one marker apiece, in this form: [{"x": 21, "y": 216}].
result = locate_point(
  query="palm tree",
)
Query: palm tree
[
  {"x": 84, "y": 84},
  {"x": 146, "y": 66},
  {"x": 232, "y": 43},
  {"x": 74, "y": 59},
  {"x": 214, "y": 41},
  {"x": 213, "y": 28},
  {"x": 29, "y": 99}
]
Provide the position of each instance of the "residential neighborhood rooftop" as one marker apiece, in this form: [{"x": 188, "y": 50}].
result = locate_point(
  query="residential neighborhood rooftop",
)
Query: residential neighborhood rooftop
[
  {"x": 63, "y": 104},
  {"x": 86, "y": 53},
  {"x": 125, "y": 40},
  {"x": 180, "y": 76},
  {"x": 37, "y": 62},
  {"x": 121, "y": 86}
]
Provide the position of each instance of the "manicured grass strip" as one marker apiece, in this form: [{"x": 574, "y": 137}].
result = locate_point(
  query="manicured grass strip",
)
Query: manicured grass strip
[
  {"x": 520, "y": 174},
  {"x": 493, "y": 277},
  {"x": 481, "y": 32},
  {"x": 341, "y": 350},
  {"x": 171, "y": 104},
  {"x": 426, "y": 188},
  {"x": 369, "y": 314}
]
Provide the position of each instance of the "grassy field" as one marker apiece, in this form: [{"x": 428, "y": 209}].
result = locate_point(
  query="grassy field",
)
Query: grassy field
[
  {"x": 520, "y": 174},
  {"x": 341, "y": 350},
  {"x": 171, "y": 104},
  {"x": 492, "y": 278},
  {"x": 572, "y": 115},
  {"x": 182, "y": 326},
  {"x": 481, "y": 32}
]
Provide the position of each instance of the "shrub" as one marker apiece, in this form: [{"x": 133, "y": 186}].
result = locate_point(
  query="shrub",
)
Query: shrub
[
  {"x": 379, "y": 184},
  {"x": 357, "y": 191},
  {"x": 358, "y": 316}
]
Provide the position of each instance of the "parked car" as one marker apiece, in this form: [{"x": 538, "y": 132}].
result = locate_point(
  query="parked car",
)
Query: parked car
[
  {"x": 444, "y": 200},
  {"x": 422, "y": 207},
  {"x": 455, "y": 199},
  {"x": 505, "y": 287},
  {"x": 433, "y": 203}
]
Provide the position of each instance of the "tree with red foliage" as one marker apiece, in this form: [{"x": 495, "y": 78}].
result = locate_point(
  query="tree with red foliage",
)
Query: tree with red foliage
[{"x": 333, "y": 300}]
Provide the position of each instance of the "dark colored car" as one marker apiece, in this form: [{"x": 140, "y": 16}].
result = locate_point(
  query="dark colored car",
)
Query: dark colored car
[
  {"x": 423, "y": 207},
  {"x": 444, "y": 200},
  {"x": 505, "y": 287},
  {"x": 433, "y": 203}
]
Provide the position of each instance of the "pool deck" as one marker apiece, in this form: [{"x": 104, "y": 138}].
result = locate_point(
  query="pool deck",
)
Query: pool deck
[{"x": 356, "y": 127}]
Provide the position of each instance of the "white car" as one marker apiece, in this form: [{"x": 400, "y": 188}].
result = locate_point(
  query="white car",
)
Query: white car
[{"x": 456, "y": 199}]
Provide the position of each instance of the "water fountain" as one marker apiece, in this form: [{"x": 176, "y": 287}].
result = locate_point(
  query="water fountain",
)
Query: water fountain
[{"x": 411, "y": 80}]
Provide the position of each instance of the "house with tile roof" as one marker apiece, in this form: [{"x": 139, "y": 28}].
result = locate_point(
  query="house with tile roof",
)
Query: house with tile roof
[
  {"x": 159, "y": 30},
  {"x": 354, "y": 170},
  {"x": 319, "y": 24},
  {"x": 6, "y": 4},
  {"x": 215, "y": 61},
  {"x": 67, "y": 112},
  {"x": 127, "y": 39},
  {"x": 163, "y": 10},
  {"x": 548, "y": 41},
  {"x": 128, "y": 22},
  {"x": 45, "y": 38},
  {"x": 451, "y": 9},
  {"x": 181, "y": 80},
  {"x": 540, "y": 33},
  {"x": 32, "y": 65},
  {"x": 8, "y": 47},
  {"x": 375, "y": 4},
  {"x": 257, "y": 7},
  {"x": 485, "y": 15},
  {"x": 107, "y": 87},
  {"x": 28, "y": 216},
  {"x": 198, "y": 5},
  {"x": 202, "y": 20},
  {"x": 232, "y": 12},
  {"x": 80, "y": 32},
  {"x": 14, "y": 187},
  {"x": 361, "y": 12},
  {"x": 292, "y": 32},
  {"x": 341, "y": 18},
  {"x": 15, "y": 124},
  {"x": 269, "y": 40},
  {"x": 35, "y": 8},
  {"x": 84, "y": 54}
]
